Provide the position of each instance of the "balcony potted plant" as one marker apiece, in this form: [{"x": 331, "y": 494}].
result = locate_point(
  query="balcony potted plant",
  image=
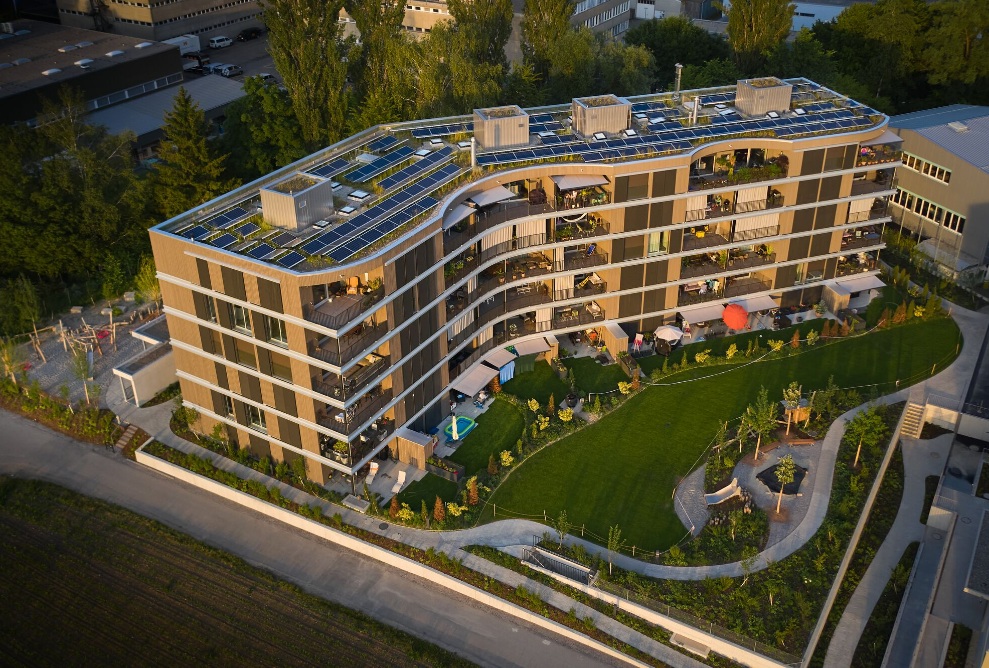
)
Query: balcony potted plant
[{"x": 341, "y": 451}]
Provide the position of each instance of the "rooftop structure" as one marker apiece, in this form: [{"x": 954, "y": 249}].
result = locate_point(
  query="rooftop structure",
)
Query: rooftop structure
[
  {"x": 37, "y": 58},
  {"x": 436, "y": 252}
]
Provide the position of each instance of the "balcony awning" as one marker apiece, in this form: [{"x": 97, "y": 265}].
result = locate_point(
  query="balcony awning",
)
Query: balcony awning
[
  {"x": 888, "y": 137},
  {"x": 578, "y": 181},
  {"x": 861, "y": 283},
  {"x": 460, "y": 212},
  {"x": 499, "y": 358},
  {"x": 475, "y": 380},
  {"x": 532, "y": 346},
  {"x": 754, "y": 304},
  {"x": 702, "y": 313},
  {"x": 492, "y": 196}
]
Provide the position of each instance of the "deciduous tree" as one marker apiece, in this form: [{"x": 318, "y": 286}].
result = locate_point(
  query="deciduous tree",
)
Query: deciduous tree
[
  {"x": 261, "y": 132},
  {"x": 756, "y": 27},
  {"x": 544, "y": 22},
  {"x": 615, "y": 544},
  {"x": 676, "y": 40},
  {"x": 785, "y": 472},
  {"x": 439, "y": 510}
]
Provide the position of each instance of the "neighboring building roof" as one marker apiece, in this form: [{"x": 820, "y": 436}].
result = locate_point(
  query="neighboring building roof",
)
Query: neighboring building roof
[
  {"x": 146, "y": 114},
  {"x": 45, "y": 47},
  {"x": 959, "y": 128}
]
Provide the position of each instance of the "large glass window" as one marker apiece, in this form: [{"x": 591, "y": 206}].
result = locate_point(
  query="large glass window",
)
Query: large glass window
[
  {"x": 638, "y": 186},
  {"x": 240, "y": 318},
  {"x": 280, "y": 367},
  {"x": 659, "y": 243},
  {"x": 256, "y": 419},
  {"x": 210, "y": 309},
  {"x": 276, "y": 330},
  {"x": 245, "y": 354},
  {"x": 228, "y": 405}
]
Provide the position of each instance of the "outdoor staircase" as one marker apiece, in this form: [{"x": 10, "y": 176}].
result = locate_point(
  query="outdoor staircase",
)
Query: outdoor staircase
[
  {"x": 125, "y": 437},
  {"x": 913, "y": 420}
]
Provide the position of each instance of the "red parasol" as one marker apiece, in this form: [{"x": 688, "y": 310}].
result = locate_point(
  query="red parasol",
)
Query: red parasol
[{"x": 735, "y": 316}]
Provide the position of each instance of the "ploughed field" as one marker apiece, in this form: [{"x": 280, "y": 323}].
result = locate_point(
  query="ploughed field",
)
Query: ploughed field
[{"x": 88, "y": 583}]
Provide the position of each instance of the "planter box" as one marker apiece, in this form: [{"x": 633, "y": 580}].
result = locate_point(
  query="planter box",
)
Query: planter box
[{"x": 455, "y": 476}]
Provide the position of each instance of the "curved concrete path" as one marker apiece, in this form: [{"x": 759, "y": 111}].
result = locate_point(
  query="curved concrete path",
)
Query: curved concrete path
[
  {"x": 952, "y": 381},
  {"x": 920, "y": 459}
]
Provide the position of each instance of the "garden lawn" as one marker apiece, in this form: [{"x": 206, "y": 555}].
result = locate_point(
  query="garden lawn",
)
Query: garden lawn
[
  {"x": 537, "y": 384},
  {"x": 592, "y": 377},
  {"x": 427, "y": 490},
  {"x": 498, "y": 428},
  {"x": 622, "y": 470}
]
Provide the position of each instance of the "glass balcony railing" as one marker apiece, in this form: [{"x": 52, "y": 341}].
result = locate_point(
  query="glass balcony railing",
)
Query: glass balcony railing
[{"x": 339, "y": 310}]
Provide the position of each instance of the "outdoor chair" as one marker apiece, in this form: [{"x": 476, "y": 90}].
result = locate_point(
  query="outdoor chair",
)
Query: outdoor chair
[
  {"x": 370, "y": 476},
  {"x": 397, "y": 487},
  {"x": 353, "y": 285},
  {"x": 637, "y": 345}
]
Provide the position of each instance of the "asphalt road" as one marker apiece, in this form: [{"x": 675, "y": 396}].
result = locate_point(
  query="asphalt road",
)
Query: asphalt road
[{"x": 482, "y": 635}]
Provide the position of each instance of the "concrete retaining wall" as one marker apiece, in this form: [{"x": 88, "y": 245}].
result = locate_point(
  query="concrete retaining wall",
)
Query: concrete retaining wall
[{"x": 375, "y": 552}]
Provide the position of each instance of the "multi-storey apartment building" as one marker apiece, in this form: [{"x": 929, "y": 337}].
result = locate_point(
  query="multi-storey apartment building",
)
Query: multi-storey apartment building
[
  {"x": 161, "y": 19},
  {"x": 333, "y": 308},
  {"x": 941, "y": 190}
]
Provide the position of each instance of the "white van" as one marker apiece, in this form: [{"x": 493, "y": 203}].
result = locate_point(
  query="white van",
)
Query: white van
[{"x": 220, "y": 42}]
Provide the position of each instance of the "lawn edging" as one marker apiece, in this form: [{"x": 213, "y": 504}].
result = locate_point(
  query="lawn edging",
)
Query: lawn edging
[
  {"x": 375, "y": 552},
  {"x": 716, "y": 644},
  {"x": 894, "y": 442}
]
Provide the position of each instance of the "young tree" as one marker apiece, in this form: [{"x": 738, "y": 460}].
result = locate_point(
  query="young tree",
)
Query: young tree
[
  {"x": 262, "y": 132},
  {"x": 826, "y": 330},
  {"x": 439, "y": 510},
  {"x": 80, "y": 368},
  {"x": 11, "y": 358},
  {"x": 303, "y": 39},
  {"x": 615, "y": 544},
  {"x": 492, "y": 465},
  {"x": 785, "y": 471},
  {"x": 756, "y": 27},
  {"x": 760, "y": 417},
  {"x": 795, "y": 339},
  {"x": 562, "y": 526},
  {"x": 869, "y": 428},
  {"x": 394, "y": 507},
  {"x": 146, "y": 280},
  {"x": 190, "y": 171},
  {"x": 791, "y": 397},
  {"x": 472, "y": 494}
]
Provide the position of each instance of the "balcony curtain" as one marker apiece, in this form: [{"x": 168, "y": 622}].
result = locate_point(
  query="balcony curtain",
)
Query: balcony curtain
[
  {"x": 757, "y": 222},
  {"x": 544, "y": 319},
  {"x": 752, "y": 194},
  {"x": 564, "y": 283},
  {"x": 471, "y": 285},
  {"x": 531, "y": 228},
  {"x": 461, "y": 323},
  {"x": 696, "y": 202},
  {"x": 485, "y": 336},
  {"x": 559, "y": 255},
  {"x": 497, "y": 237}
]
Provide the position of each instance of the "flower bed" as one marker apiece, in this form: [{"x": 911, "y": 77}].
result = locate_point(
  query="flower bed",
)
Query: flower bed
[{"x": 87, "y": 423}]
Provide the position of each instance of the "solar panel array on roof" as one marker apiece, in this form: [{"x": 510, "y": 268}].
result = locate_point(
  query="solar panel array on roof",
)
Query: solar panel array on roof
[
  {"x": 248, "y": 229},
  {"x": 228, "y": 218},
  {"x": 385, "y": 162},
  {"x": 381, "y": 229},
  {"x": 540, "y": 118},
  {"x": 197, "y": 232},
  {"x": 717, "y": 98},
  {"x": 385, "y": 207},
  {"x": 281, "y": 239},
  {"x": 647, "y": 107},
  {"x": 551, "y": 126},
  {"x": 383, "y": 143},
  {"x": 416, "y": 168},
  {"x": 261, "y": 251},
  {"x": 331, "y": 168},
  {"x": 291, "y": 259},
  {"x": 442, "y": 130}
]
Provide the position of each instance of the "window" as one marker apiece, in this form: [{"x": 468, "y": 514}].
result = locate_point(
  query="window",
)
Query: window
[
  {"x": 929, "y": 210},
  {"x": 926, "y": 168},
  {"x": 245, "y": 354},
  {"x": 658, "y": 243},
  {"x": 276, "y": 330},
  {"x": 638, "y": 186},
  {"x": 240, "y": 318},
  {"x": 280, "y": 366},
  {"x": 255, "y": 419},
  {"x": 210, "y": 309},
  {"x": 228, "y": 405}
]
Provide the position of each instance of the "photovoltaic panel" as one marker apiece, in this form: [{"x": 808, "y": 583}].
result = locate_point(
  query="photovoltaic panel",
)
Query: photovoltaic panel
[
  {"x": 424, "y": 165},
  {"x": 382, "y": 143},
  {"x": 260, "y": 251},
  {"x": 551, "y": 139},
  {"x": 540, "y": 118},
  {"x": 646, "y": 107},
  {"x": 224, "y": 240},
  {"x": 291, "y": 259},
  {"x": 248, "y": 229},
  {"x": 381, "y": 229},
  {"x": 331, "y": 168},
  {"x": 197, "y": 232},
  {"x": 281, "y": 239},
  {"x": 552, "y": 126},
  {"x": 387, "y": 161},
  {"x": 228, "y": 218},
  {"x": 442, "y": 130}
]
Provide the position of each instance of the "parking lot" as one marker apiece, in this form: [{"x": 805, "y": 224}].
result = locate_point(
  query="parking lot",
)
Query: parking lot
[{"x": 252, "y": 56}]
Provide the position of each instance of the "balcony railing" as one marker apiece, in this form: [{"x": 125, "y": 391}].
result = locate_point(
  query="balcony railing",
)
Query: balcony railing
[
  {"x": 350, "y": 420},
  {"x": 581, "y": 293},
  {"x": 576, "y": 317},
  {"x": 757, "y": 233},
  {"x": 745, "y": 286},
  {"x": 700, "y": 267},
  {"x": 350, "y": 345},
  {"x": 878, "y": 155},
  {"x": 865, "y": 186},
  {"x": 736, "y": 287},
  {"x": 485, "y": 220},
  {"x": 706, "y": 240},
  {"x": 342, "y": 309},
  {"x": 353, "y": 382},
  {"x": 465, "y": 364},
  {"x": 751, "y": 260},
  {"x": 740, "y": 177},
  {"x": 583, "y": 261},
  {"x": 361, "y": 446}
]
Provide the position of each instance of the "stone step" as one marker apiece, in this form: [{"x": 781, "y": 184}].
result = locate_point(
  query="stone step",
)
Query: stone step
[{"x": 126, "y": 436}]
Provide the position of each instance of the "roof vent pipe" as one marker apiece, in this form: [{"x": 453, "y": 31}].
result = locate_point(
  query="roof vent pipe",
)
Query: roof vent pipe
[
  {"x": 676, "y": 91},
  {"x": 473, "y": 153},
  {"x": 693, "y": 114}
]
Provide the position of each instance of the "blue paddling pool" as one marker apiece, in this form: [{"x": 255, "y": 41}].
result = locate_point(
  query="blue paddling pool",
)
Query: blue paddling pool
[{"x": 465, "y": 425}]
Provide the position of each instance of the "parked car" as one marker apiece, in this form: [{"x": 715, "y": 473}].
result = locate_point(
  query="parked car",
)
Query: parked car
[
  {"x": 231, "y": 70},
  {"x": 214, "y": 68},
  {"x": 220, "y": 42},
  {"x": 249, "y": 34},
  {"x": 266, "y": 78}
]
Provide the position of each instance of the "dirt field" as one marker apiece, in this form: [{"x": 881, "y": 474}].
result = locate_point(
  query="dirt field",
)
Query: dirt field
[{"x": 87, "y": 583}]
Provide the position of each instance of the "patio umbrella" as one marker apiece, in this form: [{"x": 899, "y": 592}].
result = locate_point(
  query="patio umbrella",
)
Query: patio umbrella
[
  {"x": 735, "y": 316},
  {"x": 669, "y": 333},
  {"x": 454, "y": 436}
]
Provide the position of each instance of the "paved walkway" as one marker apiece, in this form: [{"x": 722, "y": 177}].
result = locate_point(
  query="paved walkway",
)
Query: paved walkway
[{"x": 920, "y": 459}]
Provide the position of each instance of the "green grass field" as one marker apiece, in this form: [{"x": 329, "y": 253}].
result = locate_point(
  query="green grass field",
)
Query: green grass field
[
  {"x": 592, "y": 377},
  {"x": 538, "y": 384},
  {"x": 498, "y": 428},
  {"x": 623, "y": 469},
  {"x": 427, "y": 490}
]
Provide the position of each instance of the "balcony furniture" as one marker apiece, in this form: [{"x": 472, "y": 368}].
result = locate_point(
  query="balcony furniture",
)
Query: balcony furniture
[
  {"x": 353, "y": 285},
  {"x": 397, "y": 487},
  {"x": 370, "y": 476}
]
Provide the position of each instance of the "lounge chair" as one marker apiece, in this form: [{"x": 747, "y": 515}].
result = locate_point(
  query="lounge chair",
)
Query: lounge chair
[
  {"x": 397, "y": 487},
  {"x": 370, "y": 476}
]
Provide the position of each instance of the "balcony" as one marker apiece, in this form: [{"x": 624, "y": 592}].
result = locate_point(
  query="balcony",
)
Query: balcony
[
  {"x": 336, "y": 311},
  {"x": 348, "y": 421},
  {"x": 577, "y": 316},
  {"x": 861, "y": 237},
  {"x": 715, "y": 289},
  {"x": 701, "y": 238},
  {"x": 584, "y": 260},
  {"x": 855, "y": 264},
  {"x": 878, "y": 155},
  {"x": 757, "y": 233},
  {"x": 745, "y": 286},
  {"x": 348, "y": 346},
  {"x": 770, "y": 171},
  {"x": 700, "y": 265},
  {"x": 354, "y": 380},
  {"x": 484, "y": 220},
  {"x": 884, "y": 181},
  {"x": 512, "y": 300},
  {"x": 359, "y": 448}
]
